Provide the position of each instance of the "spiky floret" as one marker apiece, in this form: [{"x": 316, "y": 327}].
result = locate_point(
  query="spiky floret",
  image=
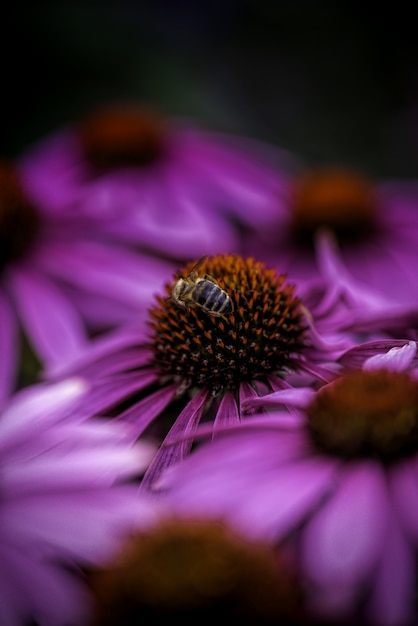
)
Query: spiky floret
[{"x": 260, "y": 337}]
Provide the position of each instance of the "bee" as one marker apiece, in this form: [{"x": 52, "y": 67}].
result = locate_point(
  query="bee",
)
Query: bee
[{"x": 202, "y": 292}]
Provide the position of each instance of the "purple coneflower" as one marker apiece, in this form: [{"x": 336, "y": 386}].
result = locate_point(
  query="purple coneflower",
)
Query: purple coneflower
[
  {"x": 375, "y": 224},
  {"x": 59, "y": 281},
  {"x": 335, "y": 481},
  {"x": 67, "y": 497},
  {"x": 194, "y": 570},
  {"x": 191, "y": 365},
  {"x": 166, "y": 184}
]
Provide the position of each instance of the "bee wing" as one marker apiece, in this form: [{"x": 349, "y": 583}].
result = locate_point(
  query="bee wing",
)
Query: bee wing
[{"x": 197, "y": 265}]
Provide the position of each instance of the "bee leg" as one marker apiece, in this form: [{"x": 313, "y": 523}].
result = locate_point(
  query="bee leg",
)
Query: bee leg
[{"x": 210, "y": 278}]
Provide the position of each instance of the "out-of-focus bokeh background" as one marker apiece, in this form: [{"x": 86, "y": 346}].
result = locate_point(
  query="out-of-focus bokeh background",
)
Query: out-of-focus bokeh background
[{"x": 333, "y": 82}]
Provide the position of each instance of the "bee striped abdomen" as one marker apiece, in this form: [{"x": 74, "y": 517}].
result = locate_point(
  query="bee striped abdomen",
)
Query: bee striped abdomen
[
  {"x": 212, "y": 298},
  {"x": 194, "y": 291}
]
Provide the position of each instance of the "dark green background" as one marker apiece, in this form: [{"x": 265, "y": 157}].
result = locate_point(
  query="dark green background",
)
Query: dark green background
[{"x": 330, "y": 81}]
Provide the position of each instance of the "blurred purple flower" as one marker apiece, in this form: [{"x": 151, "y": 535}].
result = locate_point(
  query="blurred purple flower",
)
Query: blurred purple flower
[
  {"x": 67, "y": 499},
  {"x": 164, "y": 184},
  {"x": 59, "y": 282},
  {"x": 375, "y": 225},
  {"x": 334, "y": 480}
]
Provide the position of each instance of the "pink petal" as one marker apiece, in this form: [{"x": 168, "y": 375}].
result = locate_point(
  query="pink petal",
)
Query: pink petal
[
  {"x": 37, "y": 408},
  {"x": 397, "y": 359},
  {"x": 394, "y": 595},
  {"x": 112, "y": 271},
  {"x": 51, "y": 322},
  {"x": 138, "y": 417},
  {"x": 227, "y": 412},
  {"x": 342, "y": 543},
  {"x": 185, "y": 425}
]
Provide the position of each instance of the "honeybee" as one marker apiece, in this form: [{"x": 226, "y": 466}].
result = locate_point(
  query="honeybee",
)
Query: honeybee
[{"x": 197, "y": 292}]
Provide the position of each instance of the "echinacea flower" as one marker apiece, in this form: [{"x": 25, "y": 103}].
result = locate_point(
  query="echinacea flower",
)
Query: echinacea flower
[
  {"x": 374, "y": 222},
  {"x": 162, "y": 183},
  {"x": 192, "y": 365},
  {"x": 59, "y": 281},
  {"x": 334, "y": 481},
  {"x": 67, "y": 498},
  {"x": 196, "y": 570}
]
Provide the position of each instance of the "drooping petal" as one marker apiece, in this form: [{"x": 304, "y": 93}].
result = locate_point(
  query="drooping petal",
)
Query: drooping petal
[
  {"x": 114, "y": 272},
  {"x": 185, "y": 425},
  {"x": 89, "y": 468},
  {"x": 38, "y": 590},
  {"x": 103, "y": 350},
  {"x": 54, "y": 520},
  {"x": 262, "y": 486},
  {"x": 342, "y": 543},
  {"x": 227, "y": 412},
  {"x": 393, "y": 598},
  {"x": 283, "y": 499},
  {"x": 397, "y": 359},
  {"x": 355, "y": 357},
  {"x": 138, "y": 417},
  {"x": 50, "y": 321},
  {"x": 109, "y": 392},
  {"x": 31, "y": 411},
  {"x": 299, "y": 398}
]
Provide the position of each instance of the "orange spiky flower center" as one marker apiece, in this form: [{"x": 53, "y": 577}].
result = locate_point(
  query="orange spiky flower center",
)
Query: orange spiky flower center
[
  {"x": 122, "y": 136},
  {"x": 340, "y": 200},
  {"x": 366, "y": 414},
  {"x": 194, "y": 569},
  {"x": 259, "y": 337}
]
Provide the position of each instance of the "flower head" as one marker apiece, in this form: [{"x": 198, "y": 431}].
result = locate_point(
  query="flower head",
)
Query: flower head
[
  {"x": 67, "y": 498},
  {"x": 60, "y": 281},
  {"x": 160, "y": 183},
  {"x": 193, "y": 364},
  {"x": 335, "y": 481},
  {"x": 194, "y": 569},
  {"x": 374, "y": 223}
]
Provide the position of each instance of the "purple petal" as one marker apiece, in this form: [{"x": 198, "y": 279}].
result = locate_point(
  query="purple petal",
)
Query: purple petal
[
  {"x": 396, "y": 359},
  {"x": 185, "y": 424},
  {"x": 342, "y": 543},
  {"x": 299, "y": 398},
  {"x": 281, "y": 500},
  {"x": 109, "y": 392},
  {"x": 53, "y": 520},
  {"x": 103, "y": 350},
  {"x": 37, "y": 408},
  {"x": 393, "y": 599},
  {"x": 227, "y": 412},
  {"x": 114, "y": 272},
  {"x": 99, "y": 467},
  {"x": 245, "y": 480},
  {"x": 355, "y": 357},
  {"x": 138, "y": 417},
  {"x": 51, "y": 322},
  {"x": 41, "y": 590}
]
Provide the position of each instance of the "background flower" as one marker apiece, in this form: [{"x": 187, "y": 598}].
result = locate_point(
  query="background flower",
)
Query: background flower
[
  {"x": 165, "y": 184},
  {"x": 335, "y": 481},
  {"x": 59, "y": 283},
  {"x": 67, "y": 499},
  {"x": 374, "y": 224},
  {"x": 191, "y": 568}
]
